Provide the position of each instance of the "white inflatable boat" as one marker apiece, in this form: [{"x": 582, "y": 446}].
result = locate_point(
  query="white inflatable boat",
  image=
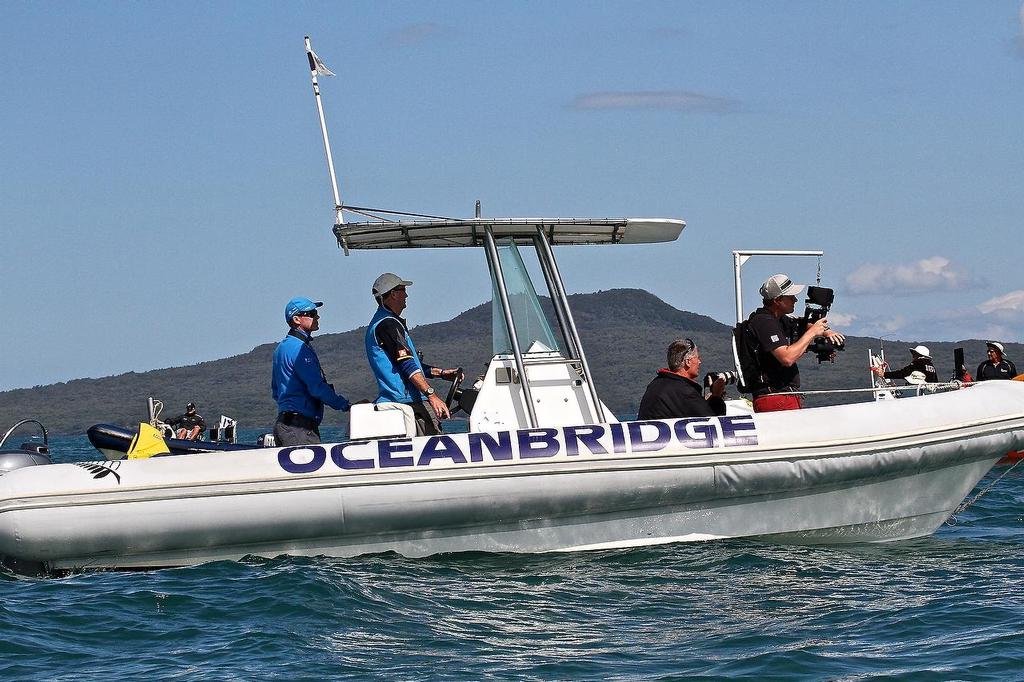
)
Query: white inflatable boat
[{"x": 544, "y": 467}]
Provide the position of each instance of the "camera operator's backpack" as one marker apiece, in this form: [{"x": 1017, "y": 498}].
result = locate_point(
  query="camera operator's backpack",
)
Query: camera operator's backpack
[{"x": 745, "y": 351}]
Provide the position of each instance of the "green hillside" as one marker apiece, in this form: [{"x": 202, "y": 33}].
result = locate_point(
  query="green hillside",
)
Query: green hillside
[{"x": 625, "y": 333}]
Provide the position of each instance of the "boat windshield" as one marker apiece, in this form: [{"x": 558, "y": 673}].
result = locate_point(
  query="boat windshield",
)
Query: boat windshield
[{"x": 533, "y": 332}]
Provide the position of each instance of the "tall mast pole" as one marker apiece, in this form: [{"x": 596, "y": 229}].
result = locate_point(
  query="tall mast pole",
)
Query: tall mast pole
[{"x": 317, "y": 67}]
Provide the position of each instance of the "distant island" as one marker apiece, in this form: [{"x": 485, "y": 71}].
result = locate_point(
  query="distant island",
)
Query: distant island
[{"x": 624, "y": 331}]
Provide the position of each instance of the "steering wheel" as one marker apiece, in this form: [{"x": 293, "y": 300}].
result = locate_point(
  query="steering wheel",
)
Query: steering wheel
[{"x": 453, "y": 391}]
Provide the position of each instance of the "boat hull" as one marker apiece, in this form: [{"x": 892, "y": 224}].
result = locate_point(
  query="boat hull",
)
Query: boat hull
[{"x": 557, "y": 490}]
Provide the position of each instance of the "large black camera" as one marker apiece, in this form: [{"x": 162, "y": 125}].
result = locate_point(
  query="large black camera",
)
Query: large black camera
[{"x": 819, "y": 300}]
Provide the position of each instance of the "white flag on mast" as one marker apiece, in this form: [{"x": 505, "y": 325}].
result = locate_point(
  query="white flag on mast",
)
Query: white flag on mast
[{"x": 320, "y": 69}]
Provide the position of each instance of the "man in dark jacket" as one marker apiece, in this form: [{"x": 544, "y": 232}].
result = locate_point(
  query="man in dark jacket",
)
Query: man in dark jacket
[
  {"x": 997, "y": 366},
  {"x": 674, "y": 392},
  {"x": 919, "y": 371}
]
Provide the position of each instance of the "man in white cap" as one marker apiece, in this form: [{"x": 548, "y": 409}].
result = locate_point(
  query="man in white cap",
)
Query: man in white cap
[
  {"x": 401, "y": 374},
  {"x": 997, "y": 366},
  {"x": 919, "y": 371},
  {"x": 778, "y": 348}
]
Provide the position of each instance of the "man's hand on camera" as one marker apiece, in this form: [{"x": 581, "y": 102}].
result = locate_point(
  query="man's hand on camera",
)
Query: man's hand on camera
[
  {"x": 819, "y": 328},
  {"x": 718, "y": 387},
  {"x": 835, "y": 337}
]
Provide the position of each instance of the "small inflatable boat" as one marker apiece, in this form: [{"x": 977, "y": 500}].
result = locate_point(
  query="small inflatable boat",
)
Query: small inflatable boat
[
  {"x": 30, "y": 453},
  {"x": 115, "y": 442}
]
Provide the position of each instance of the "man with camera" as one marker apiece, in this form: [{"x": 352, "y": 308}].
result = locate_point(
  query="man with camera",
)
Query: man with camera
[
  {"x": 674, "y": 392},
  {"x": 780, "y": 343}
]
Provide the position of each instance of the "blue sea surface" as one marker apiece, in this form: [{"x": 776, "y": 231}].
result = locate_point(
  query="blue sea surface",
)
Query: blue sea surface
[{"x": 950, "y": 606}]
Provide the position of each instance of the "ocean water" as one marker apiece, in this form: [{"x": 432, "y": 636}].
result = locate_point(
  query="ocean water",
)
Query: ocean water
[{"x": 950, "y": 606}]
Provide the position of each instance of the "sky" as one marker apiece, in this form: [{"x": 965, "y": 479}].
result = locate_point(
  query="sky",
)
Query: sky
[{"x": 164, "y": 191}]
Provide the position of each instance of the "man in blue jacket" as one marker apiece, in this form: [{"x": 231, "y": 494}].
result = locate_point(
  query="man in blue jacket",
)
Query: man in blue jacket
[
  {"x": 299, "y": 385},
  {"x": 401, "y": 374}
]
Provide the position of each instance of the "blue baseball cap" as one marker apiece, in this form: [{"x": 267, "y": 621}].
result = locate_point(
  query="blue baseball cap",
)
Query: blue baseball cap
[{"x": 299, "y": 304}]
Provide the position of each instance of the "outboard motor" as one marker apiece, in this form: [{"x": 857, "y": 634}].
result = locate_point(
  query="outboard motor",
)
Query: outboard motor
[{"x": 25, "y": 455}]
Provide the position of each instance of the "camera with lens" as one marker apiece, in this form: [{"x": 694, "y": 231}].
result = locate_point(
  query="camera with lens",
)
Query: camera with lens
[
  {"x": 819, "y": 300},
  {"x": 712, "y": 377}
]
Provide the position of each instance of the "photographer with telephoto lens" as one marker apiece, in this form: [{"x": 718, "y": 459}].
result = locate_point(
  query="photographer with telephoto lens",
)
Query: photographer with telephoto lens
[
  {"x": 674, "y": 392},
  {"x": 780, "y": 343}
]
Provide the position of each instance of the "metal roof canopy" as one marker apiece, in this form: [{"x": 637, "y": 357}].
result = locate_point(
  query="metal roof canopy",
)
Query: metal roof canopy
[
  {"x": 542, "y": 234},
  {"x": 470, "y": 232}
]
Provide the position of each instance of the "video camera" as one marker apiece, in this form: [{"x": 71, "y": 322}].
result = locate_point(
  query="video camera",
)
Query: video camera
[{"x": 819, "y": 300}]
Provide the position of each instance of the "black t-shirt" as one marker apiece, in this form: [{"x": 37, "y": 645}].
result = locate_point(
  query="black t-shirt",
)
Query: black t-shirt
[
  {"x": 923, "y": 365},
  {"x": 390, "y": 335},
  {"x": 189, "y": 420},
  {"x": 772, "y": 333}
]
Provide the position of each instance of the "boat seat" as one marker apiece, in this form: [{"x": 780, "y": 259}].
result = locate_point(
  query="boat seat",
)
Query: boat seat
[{"x": 380, "y": 420}]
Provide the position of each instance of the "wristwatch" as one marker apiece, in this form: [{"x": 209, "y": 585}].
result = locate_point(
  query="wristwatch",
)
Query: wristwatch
[{"x": 430, "y": 391}]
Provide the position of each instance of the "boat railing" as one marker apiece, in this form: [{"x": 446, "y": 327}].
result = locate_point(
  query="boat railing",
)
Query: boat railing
[
  {"x": 915, "y": 389},
  {"x": 14, "y": 428}
]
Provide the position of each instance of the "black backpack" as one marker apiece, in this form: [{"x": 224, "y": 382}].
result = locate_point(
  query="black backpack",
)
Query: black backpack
[{"x": 745, "y": 350}]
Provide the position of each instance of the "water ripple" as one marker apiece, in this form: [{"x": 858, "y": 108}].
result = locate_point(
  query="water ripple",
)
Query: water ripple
[{"x": 945, "y": 607}]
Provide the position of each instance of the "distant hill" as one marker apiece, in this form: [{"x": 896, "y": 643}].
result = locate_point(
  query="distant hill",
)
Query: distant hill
[{"x": 625, "y": 333}]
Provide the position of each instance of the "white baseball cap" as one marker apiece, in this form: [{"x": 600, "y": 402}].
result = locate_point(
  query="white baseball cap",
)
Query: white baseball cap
[
  {"x": 779, "y": 285},
  {"x": 387, "y": 282}
]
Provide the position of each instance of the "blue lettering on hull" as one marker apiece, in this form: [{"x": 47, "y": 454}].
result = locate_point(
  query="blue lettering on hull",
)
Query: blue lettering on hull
[{"x": 592, "y": 440}]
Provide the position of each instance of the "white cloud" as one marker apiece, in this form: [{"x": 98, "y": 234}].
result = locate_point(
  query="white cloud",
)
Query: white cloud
[
  {"x": 928, "y": 274},
  {"x": 999, "y": 318},
  {"x": 1011, "y": 303},
  {"x": 871, "y": 326},
  {"x": 840, "y": 319},
  {"x": 414, "y": 34},
  {"x": 675, "y": 100}
]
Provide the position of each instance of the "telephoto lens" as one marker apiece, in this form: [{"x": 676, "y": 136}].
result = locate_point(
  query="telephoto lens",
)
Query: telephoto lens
[{"x": 712, "y": 377}]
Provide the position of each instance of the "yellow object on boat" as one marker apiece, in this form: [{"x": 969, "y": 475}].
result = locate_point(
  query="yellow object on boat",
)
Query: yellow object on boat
[{"x": 146, "y": 443}]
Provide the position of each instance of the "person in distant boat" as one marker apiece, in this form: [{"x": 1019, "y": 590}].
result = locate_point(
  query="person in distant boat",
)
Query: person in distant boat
[
  {"x": 919, "y": 371},
  {"x": 778, "y": 347},
  {"x": 997, "y": 366},
  {"x": 187, "y": 426},
  {"x": 400, "y": 371},
  {"x": 674, "y": 391},
  {"x": 298, "y": 384}
]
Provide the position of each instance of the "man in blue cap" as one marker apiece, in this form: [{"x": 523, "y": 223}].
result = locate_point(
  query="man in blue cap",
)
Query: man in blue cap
[
  {"x": 401, "y": 374},
  {"x": 299, "y": 385}
]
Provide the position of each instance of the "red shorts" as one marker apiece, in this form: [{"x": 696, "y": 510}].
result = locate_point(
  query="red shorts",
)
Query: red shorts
[{"x": 777, "y": 402}]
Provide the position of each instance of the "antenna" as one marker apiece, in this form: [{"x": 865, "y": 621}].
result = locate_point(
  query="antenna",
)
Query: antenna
[{"x": 317, "y": 67}]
